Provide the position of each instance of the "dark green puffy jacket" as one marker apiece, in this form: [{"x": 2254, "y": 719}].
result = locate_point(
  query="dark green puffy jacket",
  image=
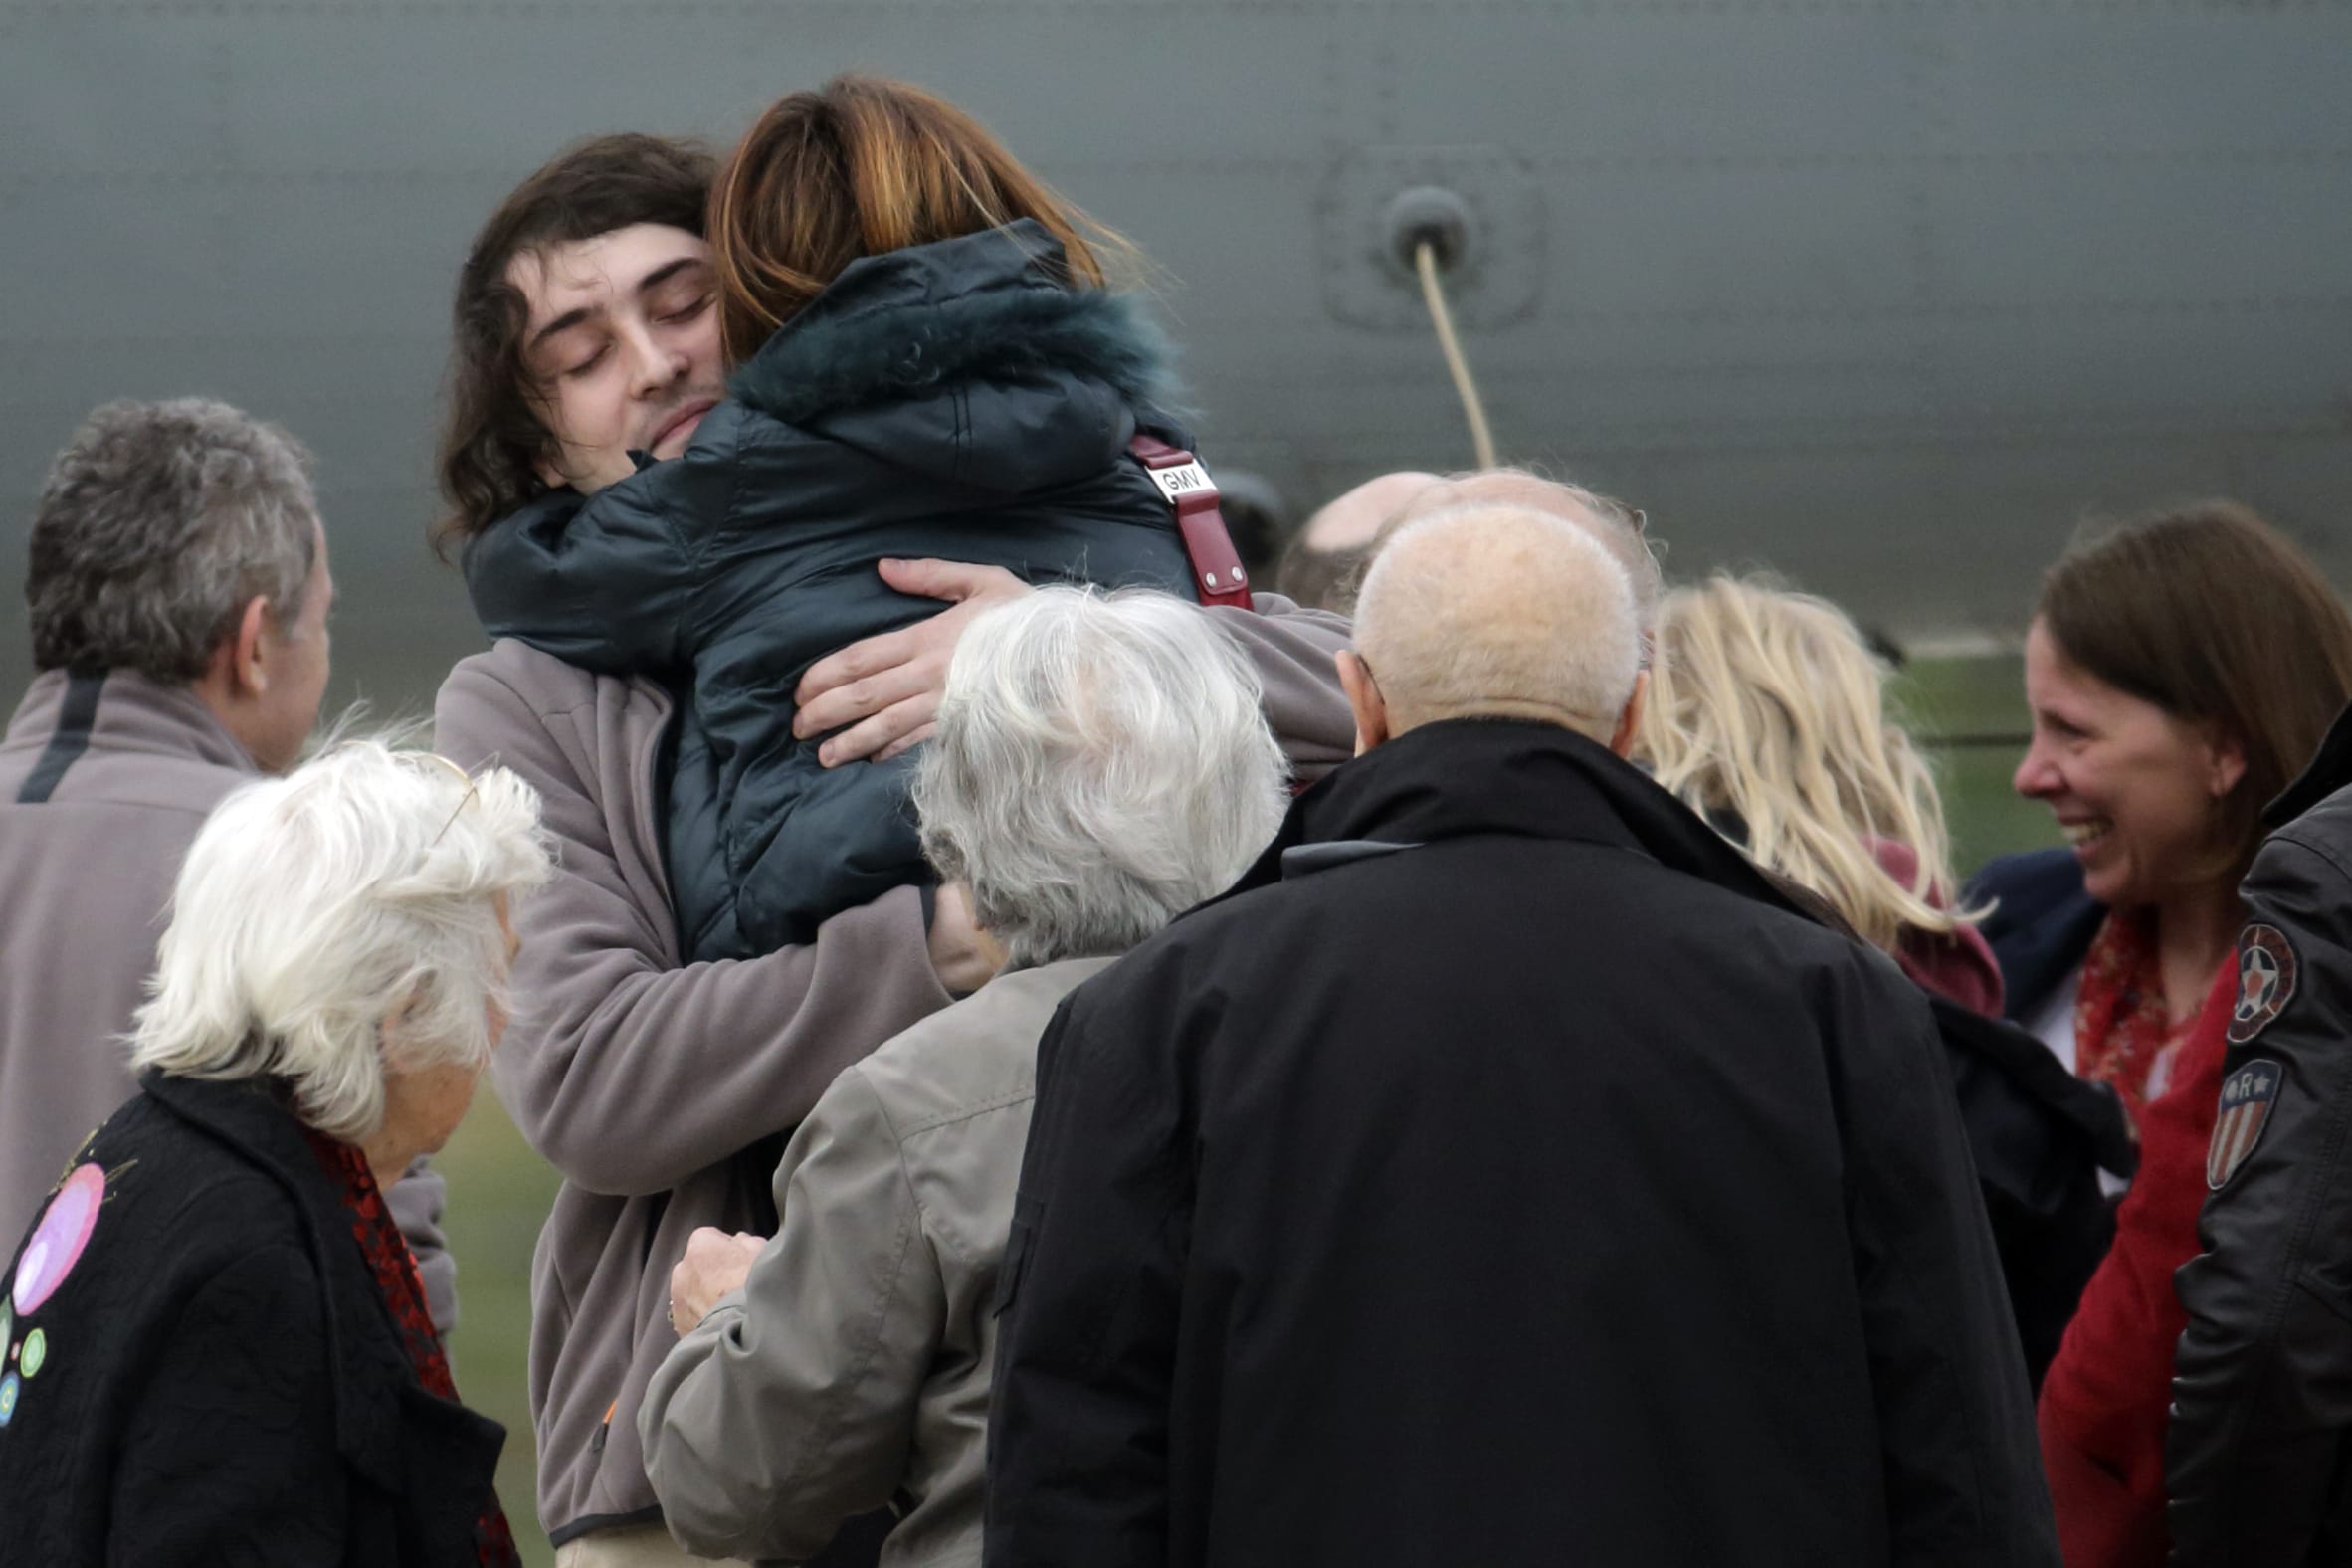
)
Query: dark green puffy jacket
[{"x": 953, "y": 400}]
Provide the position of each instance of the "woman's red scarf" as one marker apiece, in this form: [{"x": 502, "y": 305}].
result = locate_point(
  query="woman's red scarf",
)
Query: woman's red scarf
[
  {"x": 395, "y": 1271},
  {"x": 2123, "y": 1035}
]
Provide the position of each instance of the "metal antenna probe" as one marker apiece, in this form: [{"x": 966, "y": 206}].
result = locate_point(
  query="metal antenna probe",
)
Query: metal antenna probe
[{"x": 1430, "y": 227}]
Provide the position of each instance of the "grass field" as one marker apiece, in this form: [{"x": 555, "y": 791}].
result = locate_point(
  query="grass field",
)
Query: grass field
[
  {"x": 499, "y": 1193},
  {"x": 500, "y": 1190}
]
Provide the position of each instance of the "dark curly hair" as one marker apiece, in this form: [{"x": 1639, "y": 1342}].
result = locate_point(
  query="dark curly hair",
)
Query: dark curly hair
[{"x": 494, "y": 437}]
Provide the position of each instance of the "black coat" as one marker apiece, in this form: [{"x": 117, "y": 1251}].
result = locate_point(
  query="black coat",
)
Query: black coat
[
  {"x": 2039, "y": 1137},
  {"x": 2258, "y": 1452},
  {"x": 218, "y": 1378},
  {"x": 1504, "y": 1173},
  {"x": 2037, "y": 1134},
  {"x": 952, "y": 400}
]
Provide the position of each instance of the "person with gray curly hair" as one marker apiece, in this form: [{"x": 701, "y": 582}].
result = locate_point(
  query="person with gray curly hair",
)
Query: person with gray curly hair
[
  {"x": 222, "y": 1349},
  {"x": 1099, "y": 767},
  {"x": 178, "y": 591}
]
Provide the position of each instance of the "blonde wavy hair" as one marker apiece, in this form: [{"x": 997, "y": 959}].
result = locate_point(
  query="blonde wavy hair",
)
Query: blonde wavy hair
[{"x": 1767, "y": 705}]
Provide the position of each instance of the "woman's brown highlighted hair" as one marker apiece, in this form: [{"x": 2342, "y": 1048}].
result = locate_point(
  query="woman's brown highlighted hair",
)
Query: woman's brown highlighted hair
[
  {"x": 2215, "y": 617},
  {"x": 857, "y": 168}
]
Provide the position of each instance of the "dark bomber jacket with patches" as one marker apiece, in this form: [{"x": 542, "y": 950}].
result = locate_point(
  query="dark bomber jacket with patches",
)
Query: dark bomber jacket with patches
[
  {"x": 2259, "y": 1451},
  {"x": 954, "y": 400}
]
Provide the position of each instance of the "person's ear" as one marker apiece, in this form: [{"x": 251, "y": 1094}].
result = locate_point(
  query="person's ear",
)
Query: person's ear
[
  {"x": 248, "y": 647},
  {"x": 1364, "y": 700},
  {"x": 1629, "y": 722},
  {"x": 2225, "y": 762}
]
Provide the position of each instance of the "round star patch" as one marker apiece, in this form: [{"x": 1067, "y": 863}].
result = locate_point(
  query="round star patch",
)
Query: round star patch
[
  {"x": 2265, "y": 980},
  {"x": 9, "y": 1389},
  {"x": 34, "y": 1353}
]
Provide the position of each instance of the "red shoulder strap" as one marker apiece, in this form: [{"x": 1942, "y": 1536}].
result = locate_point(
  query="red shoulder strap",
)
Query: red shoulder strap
[{"x": 1216, "y": 564}]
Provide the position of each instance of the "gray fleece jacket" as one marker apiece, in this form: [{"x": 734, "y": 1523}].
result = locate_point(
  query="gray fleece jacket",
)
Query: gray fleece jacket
[
  {"x": 662, "y": 1091},
  {"x": 104, "y": 781}
]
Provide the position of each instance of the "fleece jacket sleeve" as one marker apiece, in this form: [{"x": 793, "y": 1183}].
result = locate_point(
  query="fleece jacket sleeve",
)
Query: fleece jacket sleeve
[
  {"x": 626, "y": 1070},
  {"x": 1305, "y": 706}
]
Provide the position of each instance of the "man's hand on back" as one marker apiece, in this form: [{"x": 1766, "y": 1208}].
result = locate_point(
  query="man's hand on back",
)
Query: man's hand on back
[{"x": 886, "y": 689}]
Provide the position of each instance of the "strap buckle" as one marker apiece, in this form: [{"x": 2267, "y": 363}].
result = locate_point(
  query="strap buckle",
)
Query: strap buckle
[{"x": 1185, "y": 482}]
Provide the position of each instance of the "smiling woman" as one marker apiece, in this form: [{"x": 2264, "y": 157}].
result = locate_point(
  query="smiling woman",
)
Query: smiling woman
[{"x": 2181, "y": 671}]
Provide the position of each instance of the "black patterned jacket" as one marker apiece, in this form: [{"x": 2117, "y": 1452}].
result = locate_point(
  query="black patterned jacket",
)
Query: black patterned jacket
[{"x": 201, "y": 1369}]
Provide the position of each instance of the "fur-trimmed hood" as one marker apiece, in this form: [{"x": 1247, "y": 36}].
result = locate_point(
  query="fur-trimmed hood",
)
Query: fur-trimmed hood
[{"x": 986, "y": 307}]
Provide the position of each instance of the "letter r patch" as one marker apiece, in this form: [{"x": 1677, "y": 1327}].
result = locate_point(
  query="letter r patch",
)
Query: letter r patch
[{"x": 2248, "y": 1096}]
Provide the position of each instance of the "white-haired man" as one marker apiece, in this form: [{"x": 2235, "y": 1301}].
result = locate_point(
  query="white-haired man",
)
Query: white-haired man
[
  {"x": 1099, "y": 768},
  {"x": 1624, "y": 530},
  {"x": 178, "y": 592},
  {"x": 1504, "y": 1172},
  {"x": 1320, "y": 568},
  {"x": 1325, "y": 564}
]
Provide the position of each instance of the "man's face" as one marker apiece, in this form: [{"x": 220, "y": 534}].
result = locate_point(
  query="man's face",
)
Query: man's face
[
  {"x": 287, "y": 710},
  {"x": 622, "y": 347}
]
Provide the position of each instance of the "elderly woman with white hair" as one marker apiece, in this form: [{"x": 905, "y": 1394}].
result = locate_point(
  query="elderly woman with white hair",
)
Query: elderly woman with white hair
[
  {"x": 216, "y": 1346},
  {"x": 1099, "y": 767}
]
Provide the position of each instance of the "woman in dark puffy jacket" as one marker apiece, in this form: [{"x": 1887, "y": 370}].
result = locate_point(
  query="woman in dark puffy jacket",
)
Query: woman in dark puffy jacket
[{"x": 929, "y": 362}]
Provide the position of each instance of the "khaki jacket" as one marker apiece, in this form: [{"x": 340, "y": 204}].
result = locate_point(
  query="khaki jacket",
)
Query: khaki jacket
[
  {"x": 661, "y": 1090},
  {"x": 103, "y": 782},
  {"x": 853, "y": 1368}
]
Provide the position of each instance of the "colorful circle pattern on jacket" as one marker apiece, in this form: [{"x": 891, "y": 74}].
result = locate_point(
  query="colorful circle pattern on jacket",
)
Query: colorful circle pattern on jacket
[{"x": 57, "y": 1242}]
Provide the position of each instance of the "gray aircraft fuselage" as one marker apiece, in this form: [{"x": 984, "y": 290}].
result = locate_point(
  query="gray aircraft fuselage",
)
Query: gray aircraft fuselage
[{"x": 1891, "y": 295}]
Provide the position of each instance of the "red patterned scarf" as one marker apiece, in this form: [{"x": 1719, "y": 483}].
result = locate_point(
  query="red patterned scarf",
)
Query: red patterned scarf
[
  {"x": 2123, "y": 1036},
  {"x": 395, "y": 1271}
]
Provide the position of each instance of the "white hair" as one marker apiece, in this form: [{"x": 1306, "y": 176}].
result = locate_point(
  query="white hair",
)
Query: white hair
[
  {"x": 1500, "y": 610},
  {"x": 1622, "y": 529},
  {"x": 1099, "y": 767},
  {"x": 341, "y": 920}
]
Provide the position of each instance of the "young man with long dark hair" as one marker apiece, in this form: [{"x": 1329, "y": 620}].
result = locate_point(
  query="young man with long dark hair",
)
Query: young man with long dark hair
[{"x": 588, "y": 356}]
